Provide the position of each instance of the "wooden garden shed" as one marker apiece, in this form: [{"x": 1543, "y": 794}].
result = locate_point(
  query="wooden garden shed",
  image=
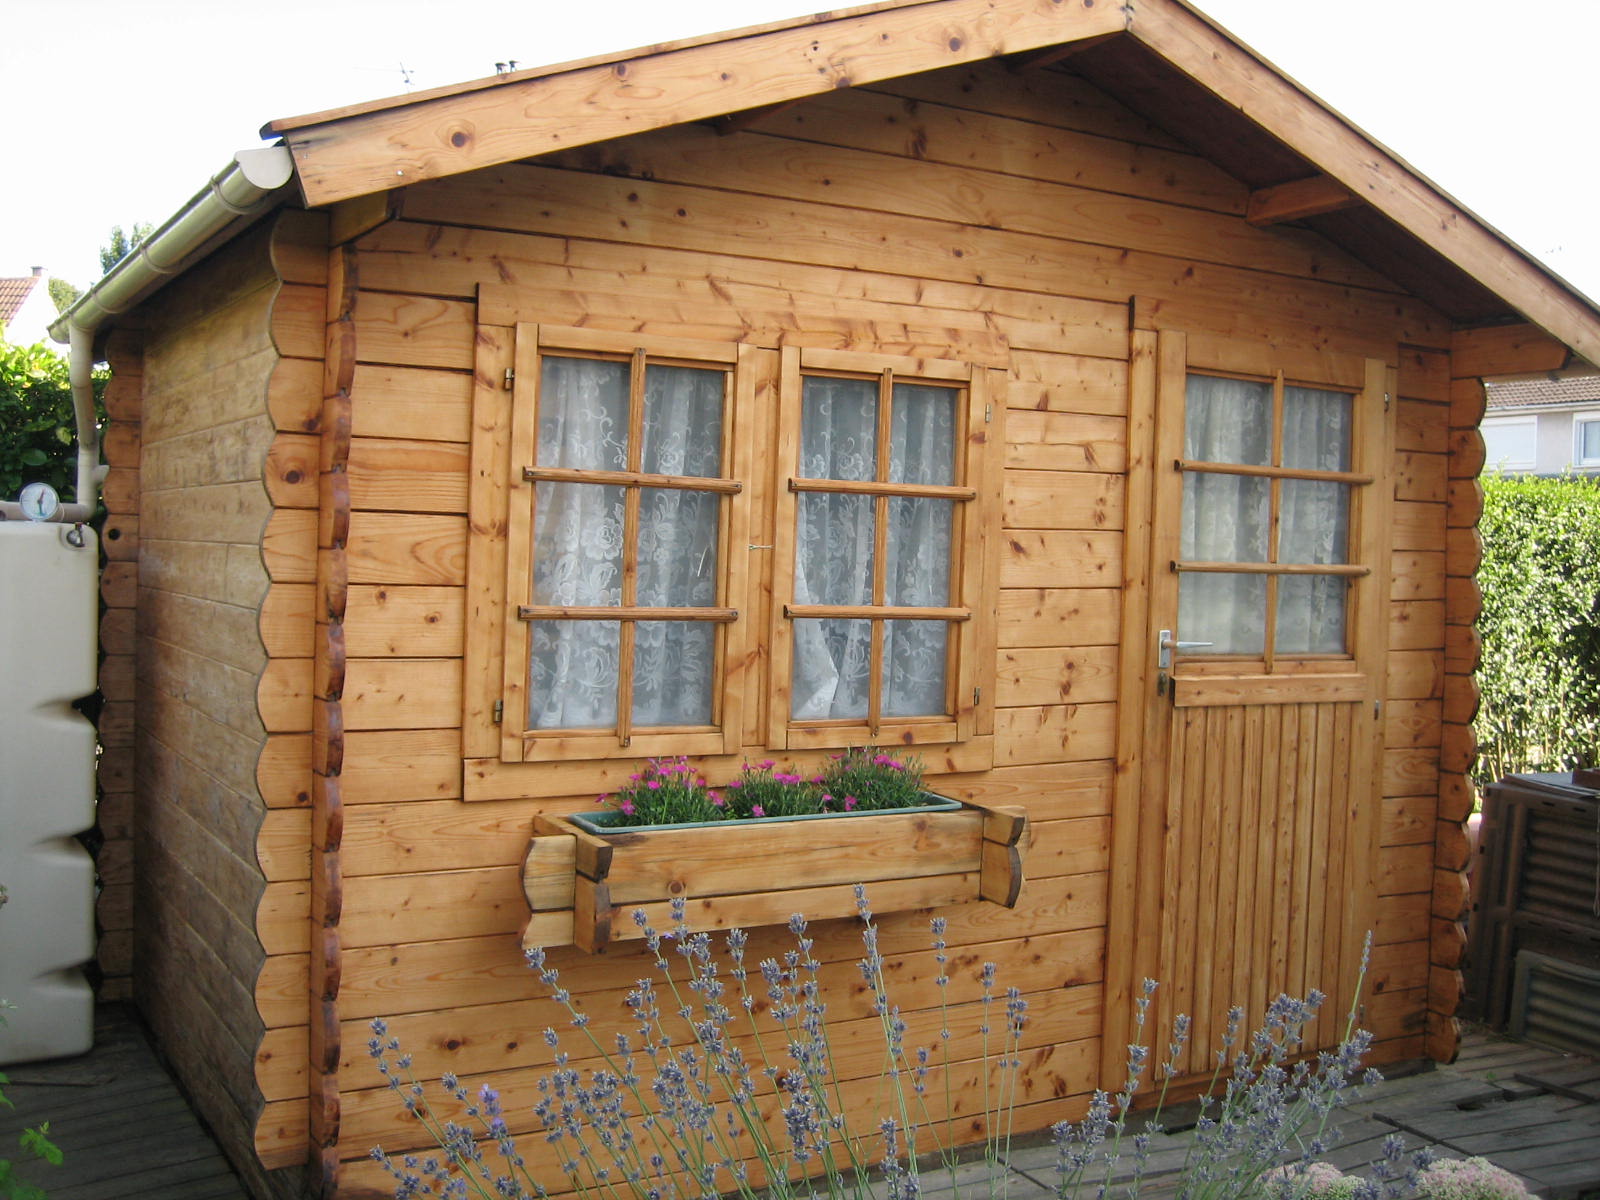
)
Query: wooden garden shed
[{"x": 1180, "y": 560}]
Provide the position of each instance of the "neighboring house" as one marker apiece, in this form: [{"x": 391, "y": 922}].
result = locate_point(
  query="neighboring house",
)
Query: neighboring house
[
  {"x": 26, "y": 309},
  {"x": 1543, "y": 426},
  {"x": 1196, "y": 358}
]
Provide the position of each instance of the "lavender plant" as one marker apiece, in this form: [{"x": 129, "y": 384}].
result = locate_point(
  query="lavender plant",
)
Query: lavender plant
[
  {"x": 664, "y": 1119},
  {"x": 725, "y": 1084}
]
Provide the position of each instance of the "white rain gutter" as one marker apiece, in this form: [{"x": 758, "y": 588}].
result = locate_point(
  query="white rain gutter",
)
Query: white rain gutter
[{"x": 241, "y": 191}]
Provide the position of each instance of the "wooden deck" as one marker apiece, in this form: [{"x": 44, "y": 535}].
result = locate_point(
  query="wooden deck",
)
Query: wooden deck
[
  {"x": 126, "y": 1130},
  {"x": 128, "y": 1133}
]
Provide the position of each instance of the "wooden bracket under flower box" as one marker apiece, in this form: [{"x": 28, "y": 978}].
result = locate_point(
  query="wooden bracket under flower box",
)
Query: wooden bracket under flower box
[{"x": 583, "y": 888}]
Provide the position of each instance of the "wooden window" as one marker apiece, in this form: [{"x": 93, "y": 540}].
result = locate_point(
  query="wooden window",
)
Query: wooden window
[
  {"x": 877, "y": 550},
  {"x": 621, "y": 590}
]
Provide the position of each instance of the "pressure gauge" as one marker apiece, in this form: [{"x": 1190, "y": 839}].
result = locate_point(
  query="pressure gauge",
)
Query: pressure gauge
[{"x": 39, "y": 501}]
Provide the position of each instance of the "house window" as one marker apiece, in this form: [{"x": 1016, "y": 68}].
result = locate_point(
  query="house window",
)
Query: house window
[
  {"x": 1265, "y": 550},
  {"x": 1510, "y": 443},
  {"x": 1586, "y": 439},
  {"x": 876, "y": 513},
  {"x": 618, "y": 547}
]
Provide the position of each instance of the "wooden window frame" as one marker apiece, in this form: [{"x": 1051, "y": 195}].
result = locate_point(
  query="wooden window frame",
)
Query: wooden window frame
[
  {"x": 1296, "y": 678},
  {"x": 974, "y": 577},
  {"x": 514, "y": 613}
]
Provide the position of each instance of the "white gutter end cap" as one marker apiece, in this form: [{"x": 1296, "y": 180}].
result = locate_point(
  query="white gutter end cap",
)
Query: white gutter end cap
[{"x": 267, "y": 167}]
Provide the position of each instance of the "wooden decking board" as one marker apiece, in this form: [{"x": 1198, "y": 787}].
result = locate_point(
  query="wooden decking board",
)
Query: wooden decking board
[
  {"x": 124, "y": 1128},
  {"x": 1581, "y": 1081}
]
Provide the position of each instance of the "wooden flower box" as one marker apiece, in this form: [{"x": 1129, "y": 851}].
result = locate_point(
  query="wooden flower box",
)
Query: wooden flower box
[{"x": 583, "y": 888}]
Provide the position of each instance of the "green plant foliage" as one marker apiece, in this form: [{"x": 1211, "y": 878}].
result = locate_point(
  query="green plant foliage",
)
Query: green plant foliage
[
  {"x": 1540, "y": 672},
  {"x": 62, "y": 293},
  {"x": 120, "y": 243},
  {"x": 37, "y": 431}
]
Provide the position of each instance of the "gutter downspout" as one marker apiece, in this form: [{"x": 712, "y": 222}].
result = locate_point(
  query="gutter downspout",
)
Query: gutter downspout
[{"x": 243, "y": 189}]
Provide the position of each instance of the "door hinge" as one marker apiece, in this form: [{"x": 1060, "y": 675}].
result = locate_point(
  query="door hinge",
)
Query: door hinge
[
  {"x": 1387, "y": 400},
  {"x": 977, "y": 696},
  {"x": 511, "y": 378},
  {"x": 499, "y": 710},
  {"x": 988, "y": 413}
]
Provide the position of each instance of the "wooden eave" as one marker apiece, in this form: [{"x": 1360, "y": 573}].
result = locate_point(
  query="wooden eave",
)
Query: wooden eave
[{"x": 1170, "y": 64}]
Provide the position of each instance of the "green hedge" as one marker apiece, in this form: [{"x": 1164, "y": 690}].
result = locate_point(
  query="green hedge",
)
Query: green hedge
[
  {"x": 1540, "y": 674},
  {"x": 37, "y": 432}
]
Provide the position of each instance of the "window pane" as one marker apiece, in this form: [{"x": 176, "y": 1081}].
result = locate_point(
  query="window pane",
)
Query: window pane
[
  {"x": 677, "y": 548},
  {"x": 922, "y": 435},
  {"x": 1589, "y": 441},
  {"x": 672, "y": 665},
  {"x": 919, "y": 550},
  {"x": 1311, "y": 614},
  {"x": 572, "y": 674},
  {"x": 583, "y": 414},
  {"x": 1229, "y": 611},
  {"x": 839, "y": 428},
  {"x": 1314, "y": 522},
  {"x": 833, "y": 559},
  {"x": 914, "y": 663},
  {"x": 682, "y": 421},
  {"x": 1226, "y": 518},
  {"x": 1316, "y": 429},
  {"x": 832, "y": 664},
  {"x": 577, "y": 543},
  {"x": 1228, "y": 421}
]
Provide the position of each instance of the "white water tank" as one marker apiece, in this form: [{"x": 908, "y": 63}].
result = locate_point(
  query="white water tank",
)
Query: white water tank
[{"x": 49, "y": 609}]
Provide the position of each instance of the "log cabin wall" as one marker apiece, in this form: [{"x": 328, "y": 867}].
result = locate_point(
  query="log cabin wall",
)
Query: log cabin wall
[
  {"x": 974, "y": 205},
  {"x": 210, "y": 350}
]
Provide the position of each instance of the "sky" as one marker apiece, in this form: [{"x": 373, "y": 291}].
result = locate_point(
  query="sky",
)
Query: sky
[{"x": 119, "y": 110}]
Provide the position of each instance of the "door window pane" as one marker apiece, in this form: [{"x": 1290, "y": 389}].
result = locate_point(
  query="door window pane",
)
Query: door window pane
[
  {"x": 1228, "y": 421},
  {"x": 577, "y": 543},
  {"x": 1314, "y": 522},
  {"x": 834, "y": 549},
  {"x": 682, "y": 421},
  {"x": 1228, "y": 611},
  {"x": 677, "y": 548},
  {"x": 1311, "y": 614},
  {"x": 922, "y": 435},
  {"x": 1226, "y": 518},
  {"x": 672, "y": 665},
  {"x": 919, "y": 550},
  {"x": 1316, "y": 429}
]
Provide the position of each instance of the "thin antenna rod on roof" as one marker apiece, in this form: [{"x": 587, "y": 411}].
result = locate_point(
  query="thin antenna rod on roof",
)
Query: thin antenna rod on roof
[{"x": 405, "y": 76}]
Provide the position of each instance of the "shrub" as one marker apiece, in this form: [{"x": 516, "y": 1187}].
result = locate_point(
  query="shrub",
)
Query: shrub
[
  {"x": 1469, "y": 1179},
  {"x": 1540, "y": 671},
  {"x": 38, "y": 439}
]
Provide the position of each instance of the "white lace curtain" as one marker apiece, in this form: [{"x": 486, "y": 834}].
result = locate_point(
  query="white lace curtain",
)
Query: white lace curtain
[
  {"x": 579, "y": 550},
  {"x": 835, "y": 557},
  {"x": 1227, "y": 518}
]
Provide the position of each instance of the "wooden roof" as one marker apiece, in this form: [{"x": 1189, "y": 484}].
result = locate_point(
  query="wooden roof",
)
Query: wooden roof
[{"x": 1160, "y": 58}]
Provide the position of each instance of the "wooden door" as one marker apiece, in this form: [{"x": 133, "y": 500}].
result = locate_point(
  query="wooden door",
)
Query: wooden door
[{"x": 1251, "y": 740}]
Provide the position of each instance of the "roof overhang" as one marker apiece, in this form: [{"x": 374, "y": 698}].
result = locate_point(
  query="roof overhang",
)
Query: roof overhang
[{"x": 1161, "y": 57}]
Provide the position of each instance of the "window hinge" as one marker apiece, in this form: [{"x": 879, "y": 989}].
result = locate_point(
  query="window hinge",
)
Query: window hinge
[
  {"x": 977, "y": 695},
  {"x": 988, "y": 413},
  {"x": 499, "y": 710},
  {"x": 1387, "y": 400},
  {"x": 511, "y": 378}
]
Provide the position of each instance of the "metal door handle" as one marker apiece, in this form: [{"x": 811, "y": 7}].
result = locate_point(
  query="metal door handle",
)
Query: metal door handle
[{"x": 1165, "y": 645}]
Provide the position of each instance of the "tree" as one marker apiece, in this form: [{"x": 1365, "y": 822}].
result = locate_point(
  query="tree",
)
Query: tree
[
  {"x": 120, "y": 244},
  {"x": 63, "y": 293}
]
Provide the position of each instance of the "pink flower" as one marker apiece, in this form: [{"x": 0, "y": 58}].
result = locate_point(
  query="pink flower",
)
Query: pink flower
[
  {"x": 654, "y": 785},
  {"x": 627, "y": 807},
  {"x": 784, "y": 777},
  {"x": 850, "y": 802},
  {"x": 766, "y": 764},
  {"x": 717, "y": 798},
  {"x": 884, "y": 760},
  {"x": 757, "y": 811}
]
